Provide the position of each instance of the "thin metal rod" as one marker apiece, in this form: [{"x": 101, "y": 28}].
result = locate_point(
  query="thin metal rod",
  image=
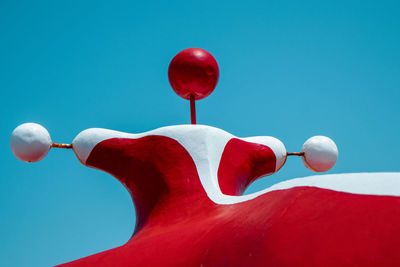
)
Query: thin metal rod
[
  {"x": 192, "y": 109},
  {"x": 59, "y": 145},
  {"x": 295, "y": 154}
]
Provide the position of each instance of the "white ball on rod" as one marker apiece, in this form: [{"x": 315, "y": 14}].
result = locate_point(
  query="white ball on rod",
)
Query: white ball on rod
[
  {"x": 320, "y": 153},
  {"x": 30, "y": 142}
]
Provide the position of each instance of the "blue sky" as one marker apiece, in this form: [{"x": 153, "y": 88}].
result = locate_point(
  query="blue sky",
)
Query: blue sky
[{"x": 289, "y": 69}]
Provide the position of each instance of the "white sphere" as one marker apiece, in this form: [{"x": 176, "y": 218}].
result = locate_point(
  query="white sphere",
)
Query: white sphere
[
  {"x": 320, "y": 153},
  {"x": 30, "y": 142}
]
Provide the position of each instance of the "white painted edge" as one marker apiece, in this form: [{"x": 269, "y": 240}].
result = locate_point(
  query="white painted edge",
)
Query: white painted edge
[
  {"x": 205, "y": 144},
  {"x": 276, "y": 146},
  {"x": 369, "y": 183}
]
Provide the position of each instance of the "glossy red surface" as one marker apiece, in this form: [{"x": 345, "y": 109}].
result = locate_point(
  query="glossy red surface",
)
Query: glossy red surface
[
  {"x": 241, "y": 163},
  {"x": 156, "y": 170},
  {"x": 178, "y": 225},
  {"x": 193, "y": 71}
]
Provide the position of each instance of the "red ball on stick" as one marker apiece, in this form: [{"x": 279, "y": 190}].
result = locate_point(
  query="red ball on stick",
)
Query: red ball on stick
[{"x": 193, "y": 72}]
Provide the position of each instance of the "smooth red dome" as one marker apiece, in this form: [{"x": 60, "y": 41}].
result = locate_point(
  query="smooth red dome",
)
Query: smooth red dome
[{"x": 193, "y": 71}]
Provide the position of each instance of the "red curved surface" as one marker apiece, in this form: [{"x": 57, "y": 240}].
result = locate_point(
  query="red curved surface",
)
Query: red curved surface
[
  {"x": 242, "y": 163},
  {"x": 178, "y": 225}
]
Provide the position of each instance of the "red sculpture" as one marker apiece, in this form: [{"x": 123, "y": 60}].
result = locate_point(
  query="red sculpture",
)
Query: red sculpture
[
  {"x": 190, "y": 212},
  {"x": 187, "y": 183}
]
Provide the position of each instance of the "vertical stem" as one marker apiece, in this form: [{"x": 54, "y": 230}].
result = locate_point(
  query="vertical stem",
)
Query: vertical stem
[{"x": 192, "y": 109}]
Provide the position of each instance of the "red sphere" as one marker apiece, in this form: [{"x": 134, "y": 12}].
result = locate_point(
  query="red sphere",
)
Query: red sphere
[{"x": 193, "y": 71}]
